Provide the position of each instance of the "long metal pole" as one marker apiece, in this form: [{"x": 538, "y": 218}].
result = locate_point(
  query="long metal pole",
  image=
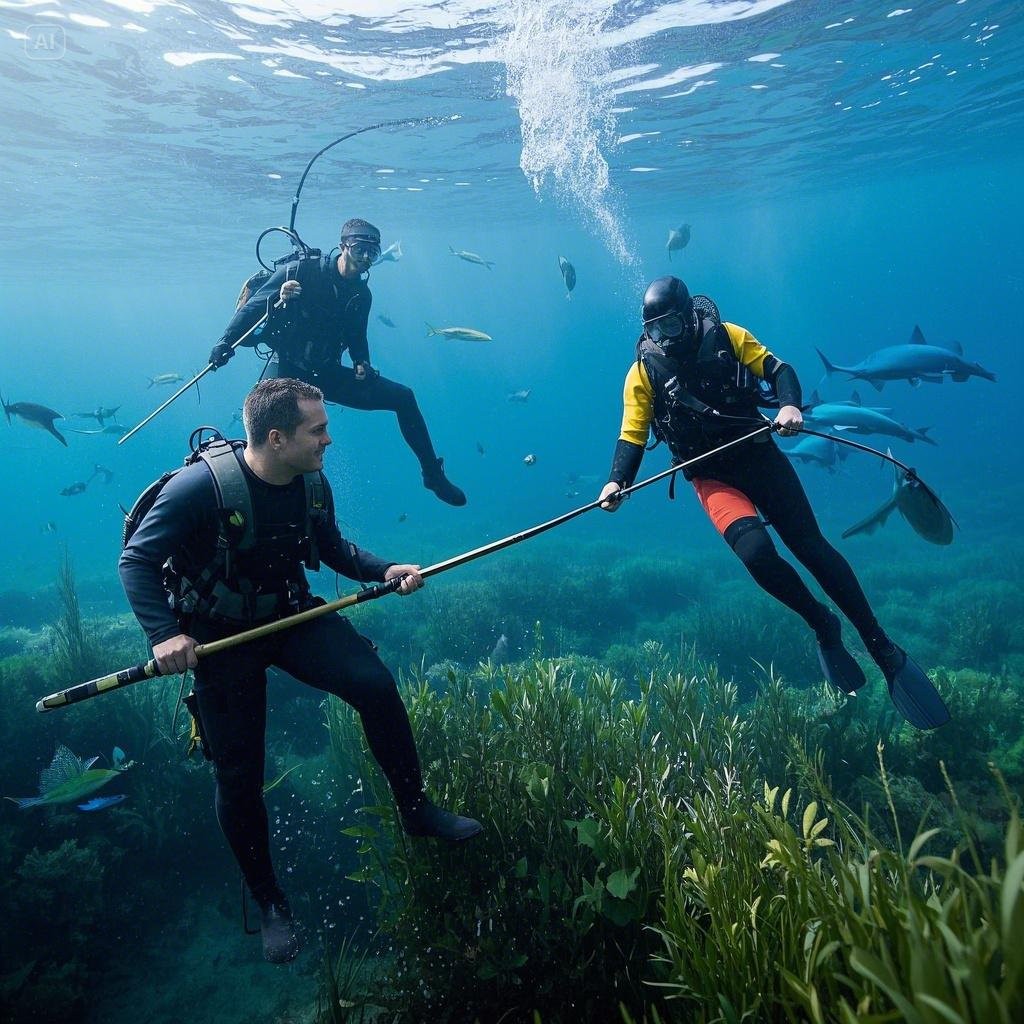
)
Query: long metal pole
[
  {"x": 195, "y": 380},
  {"x": 149, "y": 669}
]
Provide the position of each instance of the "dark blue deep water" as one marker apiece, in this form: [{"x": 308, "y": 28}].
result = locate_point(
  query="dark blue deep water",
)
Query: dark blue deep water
[{"x": 848, "y": 170}]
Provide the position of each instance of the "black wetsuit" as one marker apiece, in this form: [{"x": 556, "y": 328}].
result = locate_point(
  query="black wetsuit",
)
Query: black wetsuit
[
  {"x": 326, "y": 653},
  {"x": 312, "y": 331}
]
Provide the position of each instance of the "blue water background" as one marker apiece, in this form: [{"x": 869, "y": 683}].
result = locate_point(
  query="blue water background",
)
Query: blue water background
[
  {"x": 863, "y": 181},
  {"x": 835, "y": 207}
]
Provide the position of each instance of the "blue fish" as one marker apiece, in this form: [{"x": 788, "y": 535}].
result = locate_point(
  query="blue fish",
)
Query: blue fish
[
  {"x": 97, "y": 803},
  {"x": 918, "y": 504},
  {"x": 856, "y": 418},
  {"x": 817, "y": 451},
  {"x": 914, "y": 362}
]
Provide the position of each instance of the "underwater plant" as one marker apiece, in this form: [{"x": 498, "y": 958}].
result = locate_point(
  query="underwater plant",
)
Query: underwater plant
[
  {"x": 76, "y": 653},
  {"x": 672, "y": 856}
]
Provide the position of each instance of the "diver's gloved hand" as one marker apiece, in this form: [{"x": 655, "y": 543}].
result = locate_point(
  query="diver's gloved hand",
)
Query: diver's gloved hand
[{"x": 221, "y": 353}]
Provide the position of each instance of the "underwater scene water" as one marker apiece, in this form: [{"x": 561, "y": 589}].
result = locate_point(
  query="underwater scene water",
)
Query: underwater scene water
[{"x": 682, "y": 819}]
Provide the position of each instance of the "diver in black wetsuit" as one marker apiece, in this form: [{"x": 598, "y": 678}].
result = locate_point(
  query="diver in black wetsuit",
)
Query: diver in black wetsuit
[
  {"x": 691, "y": 368},
  {"x": 261, "y": 579},
  {"x": 318, "y": 309}
]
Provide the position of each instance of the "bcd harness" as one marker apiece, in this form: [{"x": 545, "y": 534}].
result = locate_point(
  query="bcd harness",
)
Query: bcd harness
[
  {"x": 283, "y": 331},
  {"x": 220, "y": 590},
  {"x": 699, "y": 398}
]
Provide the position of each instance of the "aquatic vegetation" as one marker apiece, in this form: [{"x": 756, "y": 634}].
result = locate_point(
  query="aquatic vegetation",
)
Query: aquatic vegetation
[
  {"x": 76, "y": 654},
  {"x": 676, "y": 854},
  {"x": 52, "y": 981}
]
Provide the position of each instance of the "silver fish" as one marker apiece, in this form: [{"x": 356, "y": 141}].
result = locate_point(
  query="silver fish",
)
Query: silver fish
[
  {"x": 32, "y": 415},
  {"x": 918, "y": 504},
  {"x": 914, "y": 362},
  {"x": 164, "y": 378},
  {"x": 471, "y": 257},
  {"x": 520, "y": 396},
  {"x": 530, "y": 460},
  {"x": 392, "y": 254},
  {"x": 678, "y": 238},
  {"x": 100, "y": 414},
  {"x": 116, "y": 429},
  {"x": 459, "y": 333}
]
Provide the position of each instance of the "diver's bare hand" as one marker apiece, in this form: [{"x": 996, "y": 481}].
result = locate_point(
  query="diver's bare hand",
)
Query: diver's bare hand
[
  {"x": 789, "y": 421},
  {"x": 411, "y": 578},
  {"x": 176, "y": 655},
  {"x": 609, "y": 502}
]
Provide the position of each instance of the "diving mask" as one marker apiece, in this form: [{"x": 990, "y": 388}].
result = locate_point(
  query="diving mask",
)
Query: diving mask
[
  {"x": 367, "y": 249},
  {"x": 668, "y": 328}
]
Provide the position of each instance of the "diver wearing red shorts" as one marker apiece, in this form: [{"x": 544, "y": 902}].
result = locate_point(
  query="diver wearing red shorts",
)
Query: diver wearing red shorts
[{"x": 696, "y": 384}]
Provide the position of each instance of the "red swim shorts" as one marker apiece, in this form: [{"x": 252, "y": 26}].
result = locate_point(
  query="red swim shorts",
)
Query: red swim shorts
[{"x": 723, "y": 504}]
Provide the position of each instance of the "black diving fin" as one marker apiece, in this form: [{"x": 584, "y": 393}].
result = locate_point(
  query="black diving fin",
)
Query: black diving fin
[
  {"x": 912, "y": 692},
  {"x": 838, "y": 665},
  {"x": 841, "y": 669}
]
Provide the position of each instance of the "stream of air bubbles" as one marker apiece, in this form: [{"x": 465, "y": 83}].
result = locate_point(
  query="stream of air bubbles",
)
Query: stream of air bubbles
[{"x": 557, "y": 67}]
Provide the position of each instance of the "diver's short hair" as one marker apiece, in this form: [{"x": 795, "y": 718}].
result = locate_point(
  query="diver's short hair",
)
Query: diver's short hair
[
  {"x": 274, "y": 405},
  {"x": 361, "y": 229}
]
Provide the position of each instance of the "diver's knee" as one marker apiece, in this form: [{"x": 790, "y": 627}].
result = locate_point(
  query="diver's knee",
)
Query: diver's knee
[
  {"x": 747, "y": 537},
  {"x": 374, "y": 689}
]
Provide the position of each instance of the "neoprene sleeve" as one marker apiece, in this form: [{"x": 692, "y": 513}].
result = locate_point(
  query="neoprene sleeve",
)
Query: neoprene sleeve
[{"x": 626, "y": 463}]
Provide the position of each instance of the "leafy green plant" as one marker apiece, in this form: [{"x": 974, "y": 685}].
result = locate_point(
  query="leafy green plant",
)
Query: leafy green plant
[{"x": 637, "y": 861}]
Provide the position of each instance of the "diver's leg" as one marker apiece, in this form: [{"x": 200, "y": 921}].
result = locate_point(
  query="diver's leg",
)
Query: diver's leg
[
  {"x": 735, "y": 517},
  {"x": 327, "y": 653},
  {"x": 781, "y": 497},
  {"x": 231, "y": 692},
  {"x": 733, "y": 513},
  {"x": 378, "y": 393}
]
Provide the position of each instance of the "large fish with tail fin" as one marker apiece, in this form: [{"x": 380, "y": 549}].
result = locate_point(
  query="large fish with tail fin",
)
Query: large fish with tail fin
[
  {"x": 915, "y": 362},
  {"x": 857, "y": 418},
  {"x": 918, "y": 504},
  {"x": 471, "y": 257},
  {"x": 33, "y": 415},
  {"x": 69, "y": 779}
]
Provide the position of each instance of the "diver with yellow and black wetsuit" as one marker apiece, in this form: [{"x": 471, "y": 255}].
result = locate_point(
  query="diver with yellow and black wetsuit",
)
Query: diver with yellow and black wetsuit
[{"x": 697, "y": 383}]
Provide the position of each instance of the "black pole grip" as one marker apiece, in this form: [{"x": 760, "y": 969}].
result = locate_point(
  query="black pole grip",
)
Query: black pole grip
[{"x": 83, "y": 691}]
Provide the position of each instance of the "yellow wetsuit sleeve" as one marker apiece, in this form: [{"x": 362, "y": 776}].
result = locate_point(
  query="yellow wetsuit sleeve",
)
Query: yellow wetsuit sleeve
[
  {"x": 637, "y": 406},
  {"x": 747, "y": 349}
]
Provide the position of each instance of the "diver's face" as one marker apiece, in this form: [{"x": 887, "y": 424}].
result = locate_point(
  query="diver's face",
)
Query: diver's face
[
  {"x": 303, "y": 450},
  {"x": 359, "y": 254}
]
